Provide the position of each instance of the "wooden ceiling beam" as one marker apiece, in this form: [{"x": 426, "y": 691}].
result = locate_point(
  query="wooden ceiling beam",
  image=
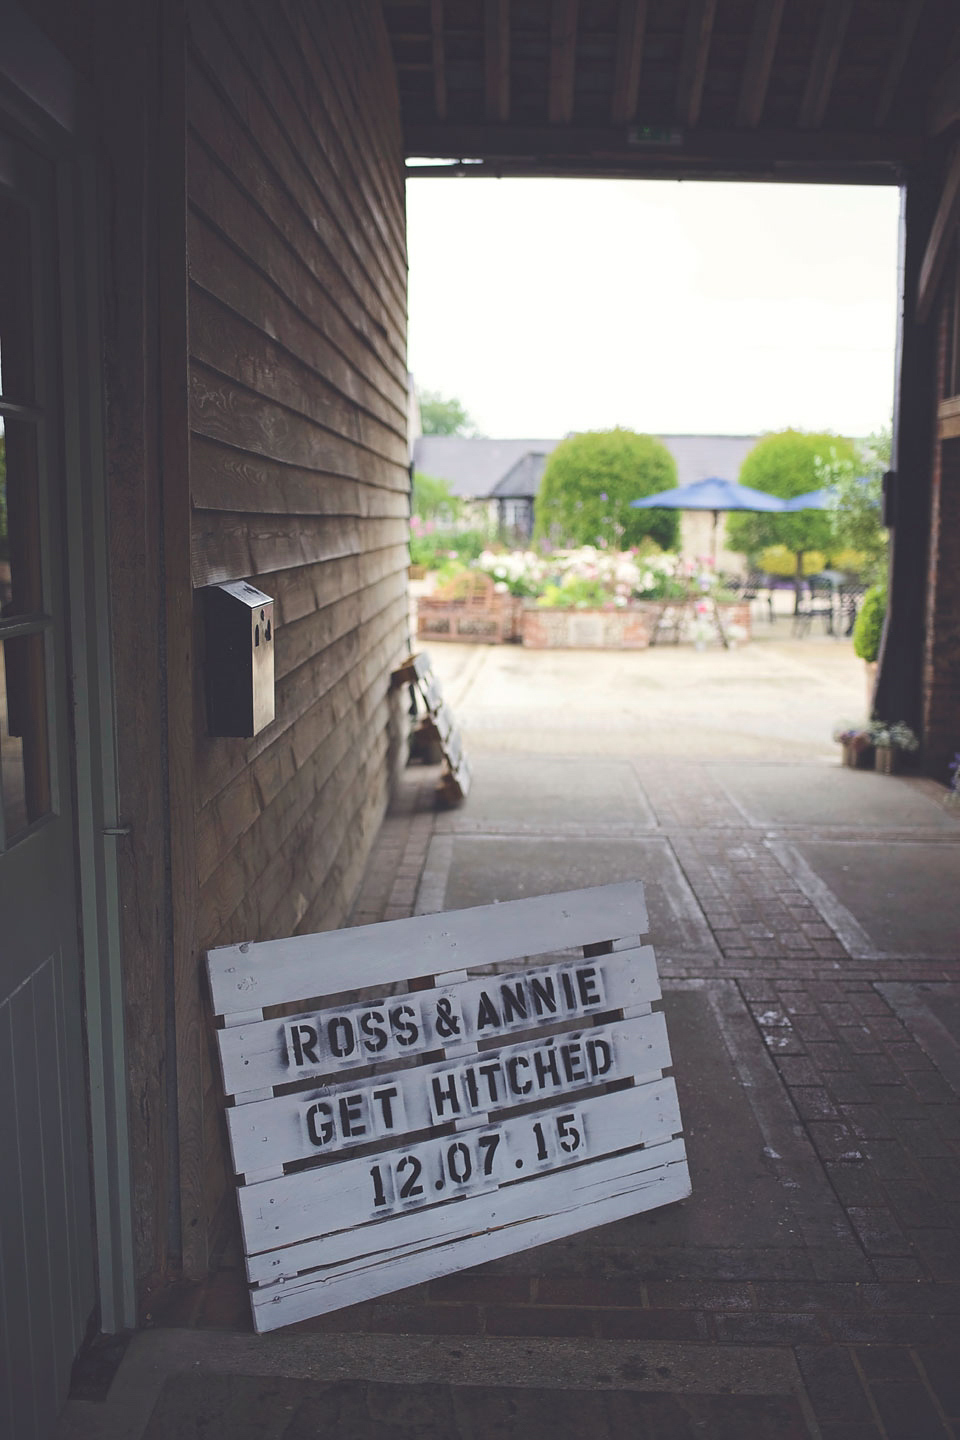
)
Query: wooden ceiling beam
[
  {"x": 693, "y": 61},
  {"x": 439, "y": 60},
  {"x": 909, "y": 21},
  {"x": 944, "y": 105},
  {"x": 563, "y": 59},
  {"x": 820, "y": 152},
  {"x": 823, "y": 67},
  {"x": 760, "y": 52},
  {"x": 943, "y": 233},
  {"x": 631, "y": 29},
  {"x": 496, "y": 59}
]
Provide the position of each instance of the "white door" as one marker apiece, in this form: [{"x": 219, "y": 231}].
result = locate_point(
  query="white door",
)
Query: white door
[{"x": 47, "y": 1271}]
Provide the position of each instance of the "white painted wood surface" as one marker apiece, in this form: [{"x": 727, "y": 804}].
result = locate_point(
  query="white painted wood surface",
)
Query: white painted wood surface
[
  {"x": 254, "y": 1056},
  {"x": 339, "y": 1198},
  {"x": 571, "y": 1202},
  {"x": 274, "y": 1132},
  {"x": 275, "y": 972},
  {"x": 454, "y": 1123}
]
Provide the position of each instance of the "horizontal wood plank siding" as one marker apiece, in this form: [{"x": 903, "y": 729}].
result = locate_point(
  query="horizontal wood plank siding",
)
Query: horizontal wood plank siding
[{"x": 299, "y": 454}]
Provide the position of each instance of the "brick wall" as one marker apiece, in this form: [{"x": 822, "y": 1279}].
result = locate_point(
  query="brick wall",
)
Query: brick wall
[{"x": 941, "y": 669}]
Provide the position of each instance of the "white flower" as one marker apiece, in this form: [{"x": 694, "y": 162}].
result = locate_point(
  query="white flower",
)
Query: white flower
[{"x": 501, "y": 587}]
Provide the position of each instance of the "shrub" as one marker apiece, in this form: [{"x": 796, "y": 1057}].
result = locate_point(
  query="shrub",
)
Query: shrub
[
  {"x": 435, "y": 547},
  {"x": 869, "y": 626},
  {"x": 785, "y": 464},
  {"x": 778, "y": 560},
  {"x": 431, "y": 499},
  {"x": 589, "y": 482}
]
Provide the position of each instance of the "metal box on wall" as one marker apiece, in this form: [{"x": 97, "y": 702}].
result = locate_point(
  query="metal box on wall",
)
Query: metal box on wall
[{"x": 239, "y": 658}]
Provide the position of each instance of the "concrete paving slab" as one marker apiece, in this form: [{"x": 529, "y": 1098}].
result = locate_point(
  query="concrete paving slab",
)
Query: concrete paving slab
[
  {"x": 513, "y": 792},
  {"x": 184, "y": 1384},
  {"x": 244, "y": 1408},
  {"x": 820, "y": 795},
  {"x": 931, "y": 1012},
  {"x": 778, "y": 699},
  {"x": 484, "y": 868},
  {"x": 738, "y": 1199},
  {"x": 905, "y": 897}
]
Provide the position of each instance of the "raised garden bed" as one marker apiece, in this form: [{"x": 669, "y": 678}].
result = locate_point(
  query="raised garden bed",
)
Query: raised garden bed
[
  {"x": 631, "y": 627},
  {"x": 469, "y": 610}
]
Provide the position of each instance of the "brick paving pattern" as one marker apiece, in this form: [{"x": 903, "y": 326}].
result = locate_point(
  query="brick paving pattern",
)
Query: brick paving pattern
[
  {"x": 831, "y": 1229},
  {"x": 871, "y": 1310}
]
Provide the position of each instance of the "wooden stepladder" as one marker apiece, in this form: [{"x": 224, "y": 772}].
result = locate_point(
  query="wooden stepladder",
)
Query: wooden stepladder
[
  {"x": 455, "y": 781},
  {"x": 394, "y": 1133}
]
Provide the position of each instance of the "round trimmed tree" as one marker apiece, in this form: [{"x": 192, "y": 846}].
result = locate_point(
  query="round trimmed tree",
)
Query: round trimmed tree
[
  {"x": 589, "y": 482},
  {"x": 785, "y": 464}
]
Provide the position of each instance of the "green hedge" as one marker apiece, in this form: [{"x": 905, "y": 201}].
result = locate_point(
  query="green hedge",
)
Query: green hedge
[{"x": 869, "y": 627}]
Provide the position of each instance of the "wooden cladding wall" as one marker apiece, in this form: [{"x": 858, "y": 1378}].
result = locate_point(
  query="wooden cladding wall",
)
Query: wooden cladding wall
[{"x": 298, "y": 453}]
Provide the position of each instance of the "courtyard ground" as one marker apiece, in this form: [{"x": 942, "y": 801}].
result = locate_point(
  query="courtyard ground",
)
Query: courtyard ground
[{"x": 806, "y": 920}]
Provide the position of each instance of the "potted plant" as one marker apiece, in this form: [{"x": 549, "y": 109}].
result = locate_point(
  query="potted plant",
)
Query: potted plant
[
  {"x": 856, "y": 744},
  {"x": 891, "y": 743},
  {"x": 953, "y": 793}
]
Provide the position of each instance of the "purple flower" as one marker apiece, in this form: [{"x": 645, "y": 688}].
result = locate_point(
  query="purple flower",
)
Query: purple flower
[{"x": 603, "y": 497}]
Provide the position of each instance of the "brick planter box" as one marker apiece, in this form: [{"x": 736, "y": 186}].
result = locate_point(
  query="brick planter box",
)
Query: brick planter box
[
  {"x": 470, "y": 612},
  {"x": 629, "y": 628}
]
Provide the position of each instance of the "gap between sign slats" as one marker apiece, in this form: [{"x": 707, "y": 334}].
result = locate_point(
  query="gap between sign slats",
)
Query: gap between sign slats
[
  {"x": 662, "y": 1169},
  {"x": 274, "y": 972}
]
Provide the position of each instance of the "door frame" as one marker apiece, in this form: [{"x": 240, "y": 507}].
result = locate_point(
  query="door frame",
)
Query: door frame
[{"x": 42, "y": 102}]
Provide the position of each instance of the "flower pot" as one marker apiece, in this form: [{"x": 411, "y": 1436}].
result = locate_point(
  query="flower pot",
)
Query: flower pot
[
  {"x": 888, "y": 760},
  {"x": 857, "y": 753}
]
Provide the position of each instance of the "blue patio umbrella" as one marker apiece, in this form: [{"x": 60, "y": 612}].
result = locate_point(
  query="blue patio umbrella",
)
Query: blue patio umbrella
[
  {"x": 813, "y": 500},
  {"x": 817, "y": 499},
  {"x": 715, "y": 495}
]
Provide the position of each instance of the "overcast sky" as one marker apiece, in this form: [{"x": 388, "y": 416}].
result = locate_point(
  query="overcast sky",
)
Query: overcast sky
[{"x": 555, "y": 305}]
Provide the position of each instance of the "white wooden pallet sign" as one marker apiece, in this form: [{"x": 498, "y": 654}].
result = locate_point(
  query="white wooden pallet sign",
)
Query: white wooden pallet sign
[
  {"x": 473, "y": 1084},
  {"x": 455, "y": 783}
]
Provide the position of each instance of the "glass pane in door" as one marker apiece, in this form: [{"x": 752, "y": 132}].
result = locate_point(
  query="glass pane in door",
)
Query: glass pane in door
[
  {"x": 16, "y": 327},
  {"x": 21, "y": 588},
  {"x": 24, "y": 748}
]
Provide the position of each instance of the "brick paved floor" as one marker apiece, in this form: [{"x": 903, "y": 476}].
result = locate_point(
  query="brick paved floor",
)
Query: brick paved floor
[{"x": 817, "y": 1054}]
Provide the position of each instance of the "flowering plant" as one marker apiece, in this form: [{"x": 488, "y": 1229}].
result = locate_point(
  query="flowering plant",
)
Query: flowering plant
[
  {"x": 898, "y": 736},
  {"x": 953, "y": 794},
  {"x": 846, "y": 732}
]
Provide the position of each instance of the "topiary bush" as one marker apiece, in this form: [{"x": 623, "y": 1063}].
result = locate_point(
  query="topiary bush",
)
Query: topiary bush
[
  {"x": 869, "y": 626},
  {"x": 589, "y": 482}
]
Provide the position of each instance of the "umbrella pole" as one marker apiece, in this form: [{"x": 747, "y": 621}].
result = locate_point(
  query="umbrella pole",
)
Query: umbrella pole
[{"x": 716, "y": 612}]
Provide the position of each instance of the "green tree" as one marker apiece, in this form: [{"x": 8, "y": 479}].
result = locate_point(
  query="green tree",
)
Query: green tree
[
  {"x": 856, "y": 493},
  {"x": 432, "y": 500},
  {"x": 440, "y": 415},
  {"x": 589, "y": 482},
  {"x": 786, "y": 464}
]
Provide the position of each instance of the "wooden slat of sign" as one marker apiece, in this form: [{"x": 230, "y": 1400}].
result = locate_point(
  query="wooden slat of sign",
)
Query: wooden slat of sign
[
  {"x": 321, "y": 1122},
  {"x": 276, "y": 972},
  {"x": 568, "y": 1203},
  {"x": 347, "y": 1197},
  {"x": 278, "y": 1051},
  {"x": 336, "y": 1256}
]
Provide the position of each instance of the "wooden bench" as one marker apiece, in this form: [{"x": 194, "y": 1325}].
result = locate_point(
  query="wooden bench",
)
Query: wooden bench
[{"x": 427, "y": 1112}]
